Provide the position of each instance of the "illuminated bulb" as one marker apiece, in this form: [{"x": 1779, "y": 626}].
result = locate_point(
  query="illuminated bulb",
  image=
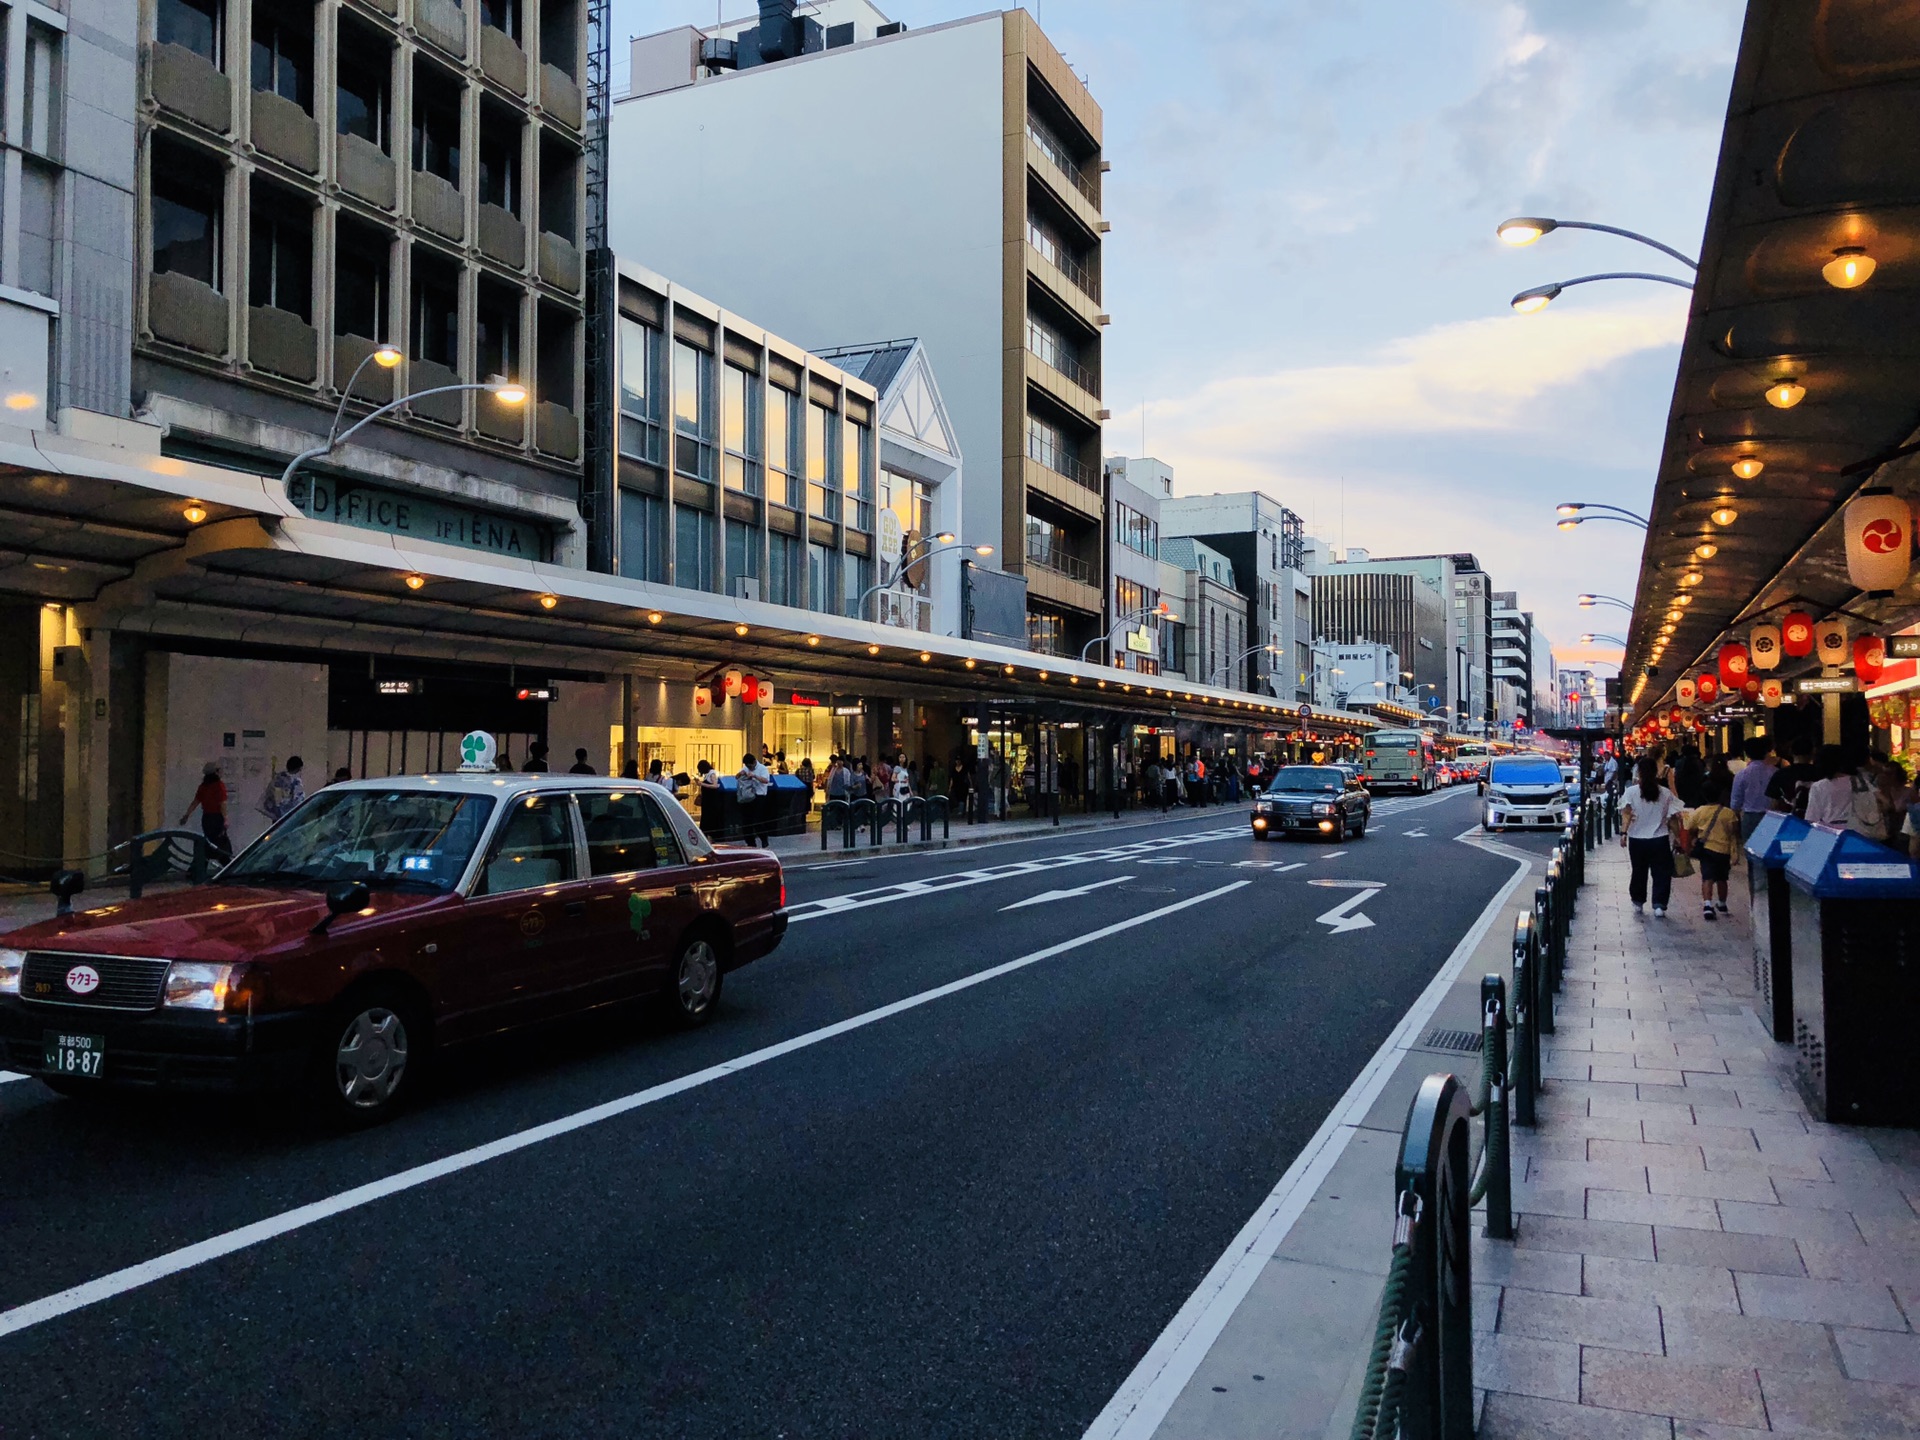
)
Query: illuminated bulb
[
  {"x": 925, "y": 656},
  {"x": 414, "y": 582},
  {"x": 740, "y": 630},
  {"x": 1683, "y": 599},
  {"x": 813, "y": 639},
  {"x": 1567, "y": 525},
  {"x": 1529, "y": 301},
  {"x": 193, "y": 512},
  {"x": 873, "y": 649},
  {"x": 1850, "y": 268},
  {"x": 1043, "y": 674},
  {"x": 1522, "y": 230},
  {"x": 1009, "y": 669},
  {"x": 1725, "y": 515},
  {"x": 1568, "y": 508},
  {"x": 510, "y": 393},
  {"x": 971, "y": 663},
  {"x": 1706, "y": 550},
  {"x": 1746, "y": 467},
  {"x": 654, "y": 617},
  {"x": 386, "y": 356},
  {"x": 1785, "y": 394},
  {"x": 548, "y": 601},
  {"x": 1073, "y": 679}
]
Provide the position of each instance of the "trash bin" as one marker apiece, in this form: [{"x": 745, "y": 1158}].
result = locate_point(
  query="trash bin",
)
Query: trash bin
[
  {"x": 1773, "y": 843},
  {"x": 787, "y": 805},
  {"x": 1855, "y": 921}
]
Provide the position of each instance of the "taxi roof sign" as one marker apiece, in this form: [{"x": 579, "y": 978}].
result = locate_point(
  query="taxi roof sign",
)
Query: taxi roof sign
[{"x": 477, "y": 752}]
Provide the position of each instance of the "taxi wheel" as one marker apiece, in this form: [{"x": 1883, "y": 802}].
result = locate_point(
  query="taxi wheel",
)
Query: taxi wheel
[
  {"x": 367, "y": 1063},
  {"x": 1360, "y": 830},
  {"x": 693, "y": 989}
]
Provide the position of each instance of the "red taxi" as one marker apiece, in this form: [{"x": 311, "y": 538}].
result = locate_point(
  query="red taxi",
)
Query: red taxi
[{"x": 381, "y": 922}]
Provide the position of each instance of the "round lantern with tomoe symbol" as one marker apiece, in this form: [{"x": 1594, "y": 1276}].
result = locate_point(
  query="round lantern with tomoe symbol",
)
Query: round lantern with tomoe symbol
[
  {"x": 766, "y": 692},
  {"x": 1796, "y": 633},
  {"x": 1879, "y": 527},
  {"x": 1772, "y": 692},
  {"x": 1831, "y": 640},
  {"x": 1708, "y": 686},
  {"x": 1763, "y": 647},
  {"x": 1684, "y": 691},
  {"x": 702, "y": 699},
  {"x": 1733, "y": 665},
  {"x": 1674, "y": 716},
  {"x": 1869, "y": 659},
  {"x": 731, "y": 682}
]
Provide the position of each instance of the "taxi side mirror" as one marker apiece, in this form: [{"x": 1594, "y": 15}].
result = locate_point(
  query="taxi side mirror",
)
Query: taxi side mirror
[{"x": 344, "y": 899}]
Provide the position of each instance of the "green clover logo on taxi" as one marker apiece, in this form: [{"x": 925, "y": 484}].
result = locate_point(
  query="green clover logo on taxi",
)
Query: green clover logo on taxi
[{"x": 472, "y": 748}]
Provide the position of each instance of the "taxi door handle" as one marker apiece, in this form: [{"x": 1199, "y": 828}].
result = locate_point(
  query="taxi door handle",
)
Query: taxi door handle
[
  {"x": 576, "y": 907},
  {"x": 683, "y": 889}
]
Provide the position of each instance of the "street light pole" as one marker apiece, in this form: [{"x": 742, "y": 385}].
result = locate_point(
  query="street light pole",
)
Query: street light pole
[
  {"x": 860, "y": 605},
  {"x": 508, "y": 392},
  {"x": 1541, "y": 296},
  {"x": 1587, "y": 602},
  {"x": 1525, "y": 229},
  {"x": 1162, "y": 609},
  {"x": 1225, "y": 669},
  {"x": 1573, "y": 514}
]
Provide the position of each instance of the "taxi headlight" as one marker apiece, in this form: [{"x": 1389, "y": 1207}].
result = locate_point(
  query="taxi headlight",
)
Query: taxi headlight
[
  {"x": 196, "y": 985},
  {"x": 1323, "y": 809},
  {"x": 12, "y": 962}
]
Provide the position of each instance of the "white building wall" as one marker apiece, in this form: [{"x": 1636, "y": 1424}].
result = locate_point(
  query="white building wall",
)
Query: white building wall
[
  {"x": 268, "y": 710},
  {"x": 853, "y": 195}
]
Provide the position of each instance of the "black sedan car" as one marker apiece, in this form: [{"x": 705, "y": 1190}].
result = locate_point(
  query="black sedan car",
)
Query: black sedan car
[{"x": 1312, "y": 800}]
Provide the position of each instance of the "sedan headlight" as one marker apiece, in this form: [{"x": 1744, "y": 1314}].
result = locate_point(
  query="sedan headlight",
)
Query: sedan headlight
[
  {"x": 12, "y": 962},
  {"x": 1323, "y": 809},
  {"x": 196, "y": 985}
]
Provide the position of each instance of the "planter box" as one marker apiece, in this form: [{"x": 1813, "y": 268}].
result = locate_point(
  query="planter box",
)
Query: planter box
[
  {"x": 559, "y": 263},
  {"x": 285, "y": 131},
  {"x": 364, "y": 170},
  {"x": 442, "y": 22},
  {"x": 556, "y": 430},
  {"x": 504, "y": 62},
  {"x": 502, "y": 236},
  {"x": 559, "y": 96},
  {"x": 282, "y": 343},
  {"x": 375, "y": 384},
  {"x": 446, "y": 409},
  {"x": 500, "y": 422},
  {"x": 181, "y": 309},
  {"x": 385, "y": 7},
  {"x": 438, "y": 206},
  {"x": 188, "y": 84}
]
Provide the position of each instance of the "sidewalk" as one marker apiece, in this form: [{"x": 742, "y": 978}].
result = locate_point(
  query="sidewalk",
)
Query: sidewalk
[{"x": 1696, "y": 1258}]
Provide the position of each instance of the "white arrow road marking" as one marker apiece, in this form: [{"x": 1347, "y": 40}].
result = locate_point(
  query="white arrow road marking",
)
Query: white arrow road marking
[
  {"x": 1341, "y": 921},
  {"x": 1049, "y": 896},
  {"x": 1417, "y": 834}
]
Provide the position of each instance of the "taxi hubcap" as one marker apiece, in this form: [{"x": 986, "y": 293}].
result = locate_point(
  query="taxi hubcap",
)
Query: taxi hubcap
[
  {"x": 699, "y": 969},
  {"x": 372, "y": 1058}
]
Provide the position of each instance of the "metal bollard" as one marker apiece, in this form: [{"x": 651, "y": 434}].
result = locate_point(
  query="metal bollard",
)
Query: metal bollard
[
  {"x": 1493, "y": 1025},
  {"x": 1543, "y": 957},
  {"x": 1526, "y": 1045}
]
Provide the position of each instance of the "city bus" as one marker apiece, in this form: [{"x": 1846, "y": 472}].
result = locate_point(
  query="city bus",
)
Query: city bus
[{"x": 1402, "y": 759}]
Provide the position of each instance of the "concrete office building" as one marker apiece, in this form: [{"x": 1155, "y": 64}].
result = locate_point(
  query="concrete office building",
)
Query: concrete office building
[
  {"x": 1511, "y": 658},
  {"x": 951, "y": 191},
  {"x": 1267, "y": 545},
  {"x": 1441, "y": 623},
  {"x": 1218, "y": 619},
  {"x": 1135, "y": 490}
]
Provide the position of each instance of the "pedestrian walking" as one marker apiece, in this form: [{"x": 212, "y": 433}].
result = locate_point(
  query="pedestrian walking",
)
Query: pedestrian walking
[
  {"x": 536, "y": 759},
  {"x": 751, "y": 785},
  {"x": 210, "y": 799},
  {"x": 805, "y": 773},
  {"x": 1890, "y": 785},
  {"x": 707, "y": 794},
  {"x": 580, "y": 764},
  {"x": 1748, "y": 796},
  {"x": 1790, "y": 783},
  {"x": 1843, "y": 798},
  {"x": 285, "y": 790},
  {"x": 630, "y": 770},
  {"x": 343, "y": 773},
  {"x": 1649, "y": 819},
  {"x": 1715, "y": 828}
]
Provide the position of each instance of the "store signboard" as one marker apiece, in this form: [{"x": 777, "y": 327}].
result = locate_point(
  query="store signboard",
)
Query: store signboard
[
  {"x": 1828, "y": 685},
  {"x": 399, "y": 687},
  {"x": 796, "y": 698},
  {"x": 1140, "y": 641},
  {"x": 1903, "y": 647},
  {"x": 408, "y": 513},
  {"x": 849, "y": 710}
]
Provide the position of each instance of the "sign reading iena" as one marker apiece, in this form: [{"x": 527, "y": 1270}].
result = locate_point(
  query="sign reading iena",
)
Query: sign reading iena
[{"x": 371, "y": 507}]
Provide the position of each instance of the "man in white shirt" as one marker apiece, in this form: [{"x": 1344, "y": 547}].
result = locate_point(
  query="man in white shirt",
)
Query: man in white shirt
[{"x": 753, "y": 784}]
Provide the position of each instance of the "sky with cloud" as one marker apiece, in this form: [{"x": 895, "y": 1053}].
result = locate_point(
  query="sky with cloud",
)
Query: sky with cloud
[{"x": 1307, "y": 294}]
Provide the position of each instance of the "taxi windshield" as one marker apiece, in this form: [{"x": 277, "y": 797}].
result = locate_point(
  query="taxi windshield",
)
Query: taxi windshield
[
  {"x": 387, "y": 838},
  {"x": 1309, "y": 777}
]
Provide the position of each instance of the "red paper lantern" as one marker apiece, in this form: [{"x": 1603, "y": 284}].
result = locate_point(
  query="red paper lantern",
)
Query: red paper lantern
[
  {"x": 1796, "y": 633},
  {"x": 1708, "y": 685},
  {"x": 1734, "y": 665},
  {"x": 749, "y": 690},
  {"x": 1752, "y": 687},
  {"x": 1869, "y": 659},
  {"x": 1673, "y": 716}
]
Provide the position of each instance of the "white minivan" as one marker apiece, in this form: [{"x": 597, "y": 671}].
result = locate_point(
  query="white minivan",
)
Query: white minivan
[{"x": 1526, "y": 792}]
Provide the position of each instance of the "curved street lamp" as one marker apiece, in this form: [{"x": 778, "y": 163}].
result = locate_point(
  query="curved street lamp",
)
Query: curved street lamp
[
  {"x": 1226, "y": 669},
  {"x": 945, "y": 539},
  {"x": 1161, "y": 609},
  {"x": 1590, "y": 637},
  {"x": 1587, "y": 602},
  {"x": 507, "y": 392},
  {"x": 1541, "y": 296},
  {"x": 1573, "y": 514},
  {"x": 1525, "y": 229}
]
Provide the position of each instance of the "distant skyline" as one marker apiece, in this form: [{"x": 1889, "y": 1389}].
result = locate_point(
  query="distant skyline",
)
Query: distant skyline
[{"x": 1306, "y": 291}]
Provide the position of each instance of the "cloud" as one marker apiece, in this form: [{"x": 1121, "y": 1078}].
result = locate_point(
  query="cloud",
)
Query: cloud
[{"x": 1673, "y": 93}]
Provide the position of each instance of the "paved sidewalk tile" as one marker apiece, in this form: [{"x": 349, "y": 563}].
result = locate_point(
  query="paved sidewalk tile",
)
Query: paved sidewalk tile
[
  {"x": 1583, "y": 1320},
  {"x": 1549, "y": 1369},
  {"x": 1758, "y": 1254},
  {"x": 1583, "y": 1236},
  {"x": 1878, "y": 1355},
  {"x": 1723, "y": 1394},
  {"x": 1862, "y": 1408},
  {"x": 1700, "y": 1287},
  {"x": 1712, "y": 1337},
  {"x": 1834, "y": 1302},
  {"x": 1526, "y": 1417}
]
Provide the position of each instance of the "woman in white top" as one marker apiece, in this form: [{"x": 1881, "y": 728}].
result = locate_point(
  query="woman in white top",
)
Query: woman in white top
[
  {"x": 1649, "y": 814},
  {"x": 1842, "y": 799}
]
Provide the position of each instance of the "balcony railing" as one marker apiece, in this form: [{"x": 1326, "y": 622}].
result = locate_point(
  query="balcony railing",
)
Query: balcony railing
[
  {"x": 1068, "y": 366},
  {"x": 1057, "y": 460},
  {"x": 1048, "y": 146},
  {"x": 1084, "y": 280},
  {"x": 1051, "y": 557}
]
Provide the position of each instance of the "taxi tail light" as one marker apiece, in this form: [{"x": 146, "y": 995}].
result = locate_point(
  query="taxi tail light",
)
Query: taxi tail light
[{"x": 783, "y": 892}]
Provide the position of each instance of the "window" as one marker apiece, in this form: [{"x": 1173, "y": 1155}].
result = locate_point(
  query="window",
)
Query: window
[
  {"x": 743, "y": 554},
  {"x": 692, "y": 411},
  {"x": 534, "y": 847},
  {"x": 280, "y": 252},
  {"x": 639, "y": 390},
  {"x": 559, "y": 188},
  {"x": 496, "y": 315},
  {"x": 740, "y": 429},
  {"x": 40, "y": 116},
  {"x": 1046, "y": 633},
  {"x": 363, "y": 89},
  {"x": 436, "y": 122},
  {"x": 1057, "y": 350},
  {"x": 856, "y": 471},
  {"x": 1136, "y": 531},
  {"x": 859, "y": 579},
  {"x": 555, "y": 360},
  {"x": 560, "y": 32},
  {"x": 823, "y": 576},
  {"x": 692, "y": 548},
  {"x": 1048, "y": 444},
  {"x": 823, "y": 494},
  {"x": 784, "y": 425},
  {"x": 194, "y": 25},
  {"x": 499, "y": 158},
  {"x": 502, "y": 15},
  {"x": 619, "y": 833},
  {"x": 783, "y": 570},
  {"x": 188, "y": 186},
  {"x": 283, "y": 52},
  {"x": 643, "y": 536},
  {"x": 911, "y": 502},
  {"x": 435, "y": 331}
]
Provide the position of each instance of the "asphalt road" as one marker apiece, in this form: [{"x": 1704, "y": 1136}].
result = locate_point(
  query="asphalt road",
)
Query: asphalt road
[{"x": 967, "y": 1216}]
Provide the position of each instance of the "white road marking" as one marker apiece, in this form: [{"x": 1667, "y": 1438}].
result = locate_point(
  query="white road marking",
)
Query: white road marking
[
  {"x": 7, "y": 1077},
  {"x": 1047, "y": 897},
  {"x": 1417, "y": 834},
  {"x": 1145, "y": 1396},
  {"x": 1342, "y": 921},
  {"x": 1334, "y": 855},
  {"x": 188, "y": 1257},
  {"x": 1280, "y": 869}
]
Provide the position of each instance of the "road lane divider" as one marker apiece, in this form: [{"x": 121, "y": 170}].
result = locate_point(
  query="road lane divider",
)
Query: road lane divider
[
  {"x": 204, "y": 1252},
  {"x": 1047, "y": 897}
]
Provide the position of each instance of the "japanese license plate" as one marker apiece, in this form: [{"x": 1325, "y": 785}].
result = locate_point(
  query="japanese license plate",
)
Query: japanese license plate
[{"x": 82, "y": 1055}]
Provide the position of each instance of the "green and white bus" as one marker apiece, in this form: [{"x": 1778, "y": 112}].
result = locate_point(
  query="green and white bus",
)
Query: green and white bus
[{"x": 1400, "y": 760}]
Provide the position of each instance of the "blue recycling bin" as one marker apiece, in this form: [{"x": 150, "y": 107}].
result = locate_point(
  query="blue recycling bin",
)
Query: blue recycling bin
[
  {"x": 1855, "y": 923},
  {"x": 1774, "y": 842}
]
